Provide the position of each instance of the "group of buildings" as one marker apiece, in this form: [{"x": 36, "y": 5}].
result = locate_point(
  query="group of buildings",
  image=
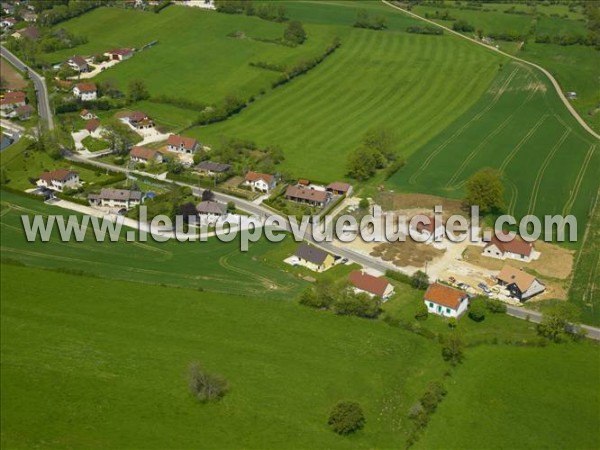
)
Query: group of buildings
[{"x": 13, "y": 104}]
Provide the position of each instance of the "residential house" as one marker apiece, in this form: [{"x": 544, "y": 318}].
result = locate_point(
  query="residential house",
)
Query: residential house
[
  {"x": 260, "y": 181},
  {"x": 211, "y": 210},
  {"x": 340, "y": 188},
  {"x": 120, "y": 54},
  {"x": 12, "y": 100},
  {"x": 85, "y": 91},
  {"x": 182, "y": 144},
  {"x": 503, "y": 247},
  {"x": 8, "y": 22},
  {"x": 521, "y": 285},
  {"x": 5, "y": 141},
  {"x": 212, "y": 168},
  {"x": 78, "y": 64},
  {"x": 58, "y": 180},
  {"x": 445, "y": 301},
  {"x": 314, "y": 258},
  {"x": 94, "y": 128},
  {"x": 30, "y": 17},
  {"x": 145, "y": 155},
  {"x": 139, "y": 120},
  {"x": 116, "y": 198},
  {"x": 8, "y": 8},
  {"x": 312, "y": 197},
  {"x": 374, "y": 286},
  {"x": 427, "y": 232},
  {"x": 87, "y": 115},
  {"x": 31, "y": 33},
  {"x": 24, "y": 112}
]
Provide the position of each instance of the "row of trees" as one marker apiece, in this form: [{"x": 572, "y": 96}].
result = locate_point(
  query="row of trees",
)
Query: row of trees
[
  {"x": 363, "y": 20},
  {"x": 60, "y": 12},
  {"x": 267, "y": 10}
]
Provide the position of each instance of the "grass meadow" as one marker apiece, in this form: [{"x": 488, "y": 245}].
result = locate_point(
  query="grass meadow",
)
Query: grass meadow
[{"x": 549, "y": 164}]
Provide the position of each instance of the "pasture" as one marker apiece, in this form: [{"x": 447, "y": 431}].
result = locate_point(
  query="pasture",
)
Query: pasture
[
  {"x": 91, "y": 363},
  {"x": 212, "y": 266},
  {"x": 548, "y": 163},
  {"x": 511, "y": 397}
]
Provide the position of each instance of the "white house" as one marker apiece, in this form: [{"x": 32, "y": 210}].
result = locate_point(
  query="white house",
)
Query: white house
[
  {"x": 445, "y": 301},
  {"x": 260, "y": 181},
  {"x": 374, "y": 286},
  {"x": 8, "y": 22},
  {"x": 120, "y": 54},
  {"x": 116, "y": 198},
  {"x": 426, "y": 232},
  {"x": 85, "y": 91},
  {"x": 182, "y": 144},
  {"x": 521, "y": 285},
  {"x": 211, "y": 211},
  {"x": 94, "y": 128},
  {"x": 58, "y": 180},
  {"x": 78, "y": 64},
  {"x": 515, "y": 248},
  {"x": 87, "y": 115},
  {"x": 145, "y": 155}
]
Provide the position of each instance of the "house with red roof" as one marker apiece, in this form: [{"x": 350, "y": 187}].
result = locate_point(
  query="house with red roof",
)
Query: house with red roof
[
  {"x": 260, "y": 181},
  {"x": 58, "y": 180},
  {"x": 85, "y": 91},
  {"x": 145, "y": 155},
  {"x": 182, "y": 144},
  {"x": 314, "y": 197},
  {"x": 374, "y": 286},
  {"x": 138, "y": 120},
  {"x": 120, "y": 54},
  {"x": 87, "y": 115},
  {"x": 340, "y": 188},
  {"x": 12, "y": 100},
  {"x": 445, "y": 301},
  {"x": 503, "y": 246}
]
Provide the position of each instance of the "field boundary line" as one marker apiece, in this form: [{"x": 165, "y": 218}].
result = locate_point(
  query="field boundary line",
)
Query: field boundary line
[
  {"x": 573, "y": 196},
  {"x": 557, "y": 88},
  {"x": 540, "y": 174},
  {"x": 515, "y": 150},
  {"x": 443, "y": 145}
]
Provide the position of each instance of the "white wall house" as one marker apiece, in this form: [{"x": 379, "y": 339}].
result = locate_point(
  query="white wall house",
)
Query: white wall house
[
  {"x": 515, "y": 248},
  {"x": 260, "y": 181},
  {"x": 446, "y": 301},
  {"x": 58, "y": 180},
  {"x": 374, "y": 286},
  {"x": 116, "y": 198},
  {"x": 85, "y": 91},
  {"x": 182, "y": 144}
]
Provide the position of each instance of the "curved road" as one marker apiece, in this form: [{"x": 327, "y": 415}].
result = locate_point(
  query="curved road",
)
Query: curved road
[
  {"x": 40, "y": 86},
  {"x": 559, "y": 91}
]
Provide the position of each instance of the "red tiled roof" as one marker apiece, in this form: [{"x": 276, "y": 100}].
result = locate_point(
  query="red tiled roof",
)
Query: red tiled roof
[
  {"x": 57, "y": 175},
  {"x": 339, "y": 186},
  {"x": 84, "y": 112},
  {"x": 92, "y": 125},
  {"x": 445, "y": 295},
  {"x": 306, "y": 194},
  {"x": 255, "y": 176},
  {"x": 12, "y": 97},
  {"x": 516, "y": 245},
  {"x": 368, "y": 283},
  {"x": 120, "y": 51},
  {"x": 86, "y": 87},
  {"x": 178, "y": 141},
  {"x": 144, "y": 153},
  {"x": 137, "y": 116}
]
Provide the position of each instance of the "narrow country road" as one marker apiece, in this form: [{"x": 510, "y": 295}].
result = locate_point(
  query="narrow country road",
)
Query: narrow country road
[
  {"x": 39, "y": 83},
  {"x": 559, "y": 91}
]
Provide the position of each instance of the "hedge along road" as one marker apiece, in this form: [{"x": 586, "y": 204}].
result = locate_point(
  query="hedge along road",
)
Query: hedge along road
[{"x": 544, "y": 71}]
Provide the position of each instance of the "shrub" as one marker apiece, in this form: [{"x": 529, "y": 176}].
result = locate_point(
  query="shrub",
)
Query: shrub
[
  {"x": 477, "y": 310},
  {"x": 361, "y": 305},
  {"x": 452, "y": 349},
  {"x": 421, "y": 313},
  {"x": 346, "y": 417},
  {"x": 419, "y": 280},
  {"x": 205, "y": 386},
  {"x": 495, "y": 306}
]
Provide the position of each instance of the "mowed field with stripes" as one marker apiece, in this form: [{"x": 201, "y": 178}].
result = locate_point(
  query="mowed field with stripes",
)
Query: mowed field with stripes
[
  {"x": 549, "y": 164},
  {"x": 416, "y": 85}
]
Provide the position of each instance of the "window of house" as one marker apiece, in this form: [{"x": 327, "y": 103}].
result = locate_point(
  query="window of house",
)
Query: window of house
[{"x": 447, "y": 310}]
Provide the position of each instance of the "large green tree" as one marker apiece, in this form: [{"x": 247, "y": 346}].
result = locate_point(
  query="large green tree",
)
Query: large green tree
[
  {"x": 295, "y": 32},
  {"x": 485, "y": 189}
]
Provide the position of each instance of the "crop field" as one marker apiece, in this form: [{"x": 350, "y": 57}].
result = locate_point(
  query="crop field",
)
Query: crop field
[
  {"x": 549, "y": 164},
  {"x": 194, "y": 58},
  {"x": 507, "y": 397},
  {"x": 88, "y": 363},
  {"x": 213, "y": 265}
]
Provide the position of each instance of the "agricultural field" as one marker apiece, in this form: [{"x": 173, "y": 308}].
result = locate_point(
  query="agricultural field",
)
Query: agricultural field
[
  {"x": 212, "y": 266},
  {"x": 104, "y": 365},
  {"x": 548, "y": 163},
  {"x": 507, "y": 397}
]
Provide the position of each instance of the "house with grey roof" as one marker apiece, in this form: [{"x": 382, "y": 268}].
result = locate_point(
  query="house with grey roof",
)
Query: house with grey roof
[
  {"x": 314, "y": 258},
  {"x": 116, "y": 198}
]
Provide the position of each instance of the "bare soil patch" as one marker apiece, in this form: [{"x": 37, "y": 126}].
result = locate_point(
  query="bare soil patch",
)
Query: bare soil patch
[
  {"x": 13, "y": 79},
  {"x": 233, "y": 182},
  {"x": 391, "y": 201},
  {"x": 407, "y": 253}
]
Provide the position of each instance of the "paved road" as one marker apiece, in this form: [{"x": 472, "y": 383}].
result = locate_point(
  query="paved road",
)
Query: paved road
[
  {"x": 557, "y": 87},
  {"x": 40, "y": 87}
]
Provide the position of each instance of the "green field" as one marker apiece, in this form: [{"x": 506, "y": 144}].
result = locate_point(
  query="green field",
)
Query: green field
[
  {"x": 103, "y": 365},
  {"x": 507, "y": 397},
  {"x": 549, "y": 164}
]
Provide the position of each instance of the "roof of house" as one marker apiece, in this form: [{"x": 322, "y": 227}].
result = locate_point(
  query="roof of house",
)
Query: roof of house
[
  {"x": 10, "y": 19},
  {"x": 24, "y": 110},
  {"x": 30, "y": 33},
  {"x": 57, "y": 175},
  {"x": 84, "y": 112},
  {"x": 303, "y": 182},
  {"x": 86, "y": 87},
  {"x": 137, "y": 116},
  {"x": 306, "y": 194},
  {"x": 181, "y": 141},
  {"x": 143, "y": 153},
  {"x": 255, "y": 176},
  {"x": 365, "y": 282},
  {"x": 511, "y": 275},
  {"x": 339, "y": 186},
  {"x": 13, "y": 97},
  {"x": 78, "y": 60},
  {"x": 312, "y": 254},
  {"x": 92, "y": 125},
  {"x": 211, "y": 207},
  {"x": 445, "y": 295},
  {"x": 120, "y": 51},
  {"x": 213, "y": 166},
  {"x": 116, "y": 194},
  {"x": 515, "y": 245}
]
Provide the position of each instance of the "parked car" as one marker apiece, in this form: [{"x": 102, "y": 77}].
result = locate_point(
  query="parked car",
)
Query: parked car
[
  {"x": 463, "y": 286},
  {"x": 484, "y": 287}
]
